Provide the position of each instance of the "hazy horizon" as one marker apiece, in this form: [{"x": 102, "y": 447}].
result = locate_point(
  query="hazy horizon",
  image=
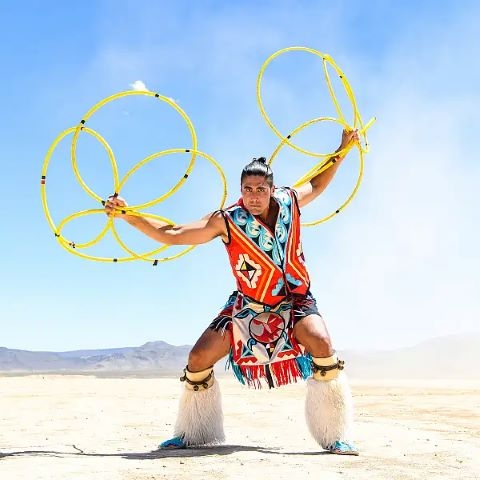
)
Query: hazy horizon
[{"x": 475, "y": 336}]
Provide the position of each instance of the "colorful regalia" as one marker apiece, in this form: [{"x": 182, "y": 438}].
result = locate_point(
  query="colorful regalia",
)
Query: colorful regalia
[{"x": 271, "y": 277}]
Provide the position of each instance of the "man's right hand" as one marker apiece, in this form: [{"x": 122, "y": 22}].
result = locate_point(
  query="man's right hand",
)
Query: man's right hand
[{"x": 114, "y": 206}]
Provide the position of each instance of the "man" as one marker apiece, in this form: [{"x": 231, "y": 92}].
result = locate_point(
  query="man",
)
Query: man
[{"x": 270, "y": 326}]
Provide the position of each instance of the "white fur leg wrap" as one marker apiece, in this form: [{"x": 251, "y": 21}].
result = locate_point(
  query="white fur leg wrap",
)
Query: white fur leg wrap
[
  {"x": 329, "y": 410},
  {"x": 200, "y": 416}
]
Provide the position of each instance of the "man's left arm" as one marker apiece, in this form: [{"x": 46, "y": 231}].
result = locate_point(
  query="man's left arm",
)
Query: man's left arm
[{"x": 313, "y": 188}]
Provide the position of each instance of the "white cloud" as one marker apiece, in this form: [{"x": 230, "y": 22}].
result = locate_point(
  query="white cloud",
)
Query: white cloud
[{"x": 139, "y": 85}]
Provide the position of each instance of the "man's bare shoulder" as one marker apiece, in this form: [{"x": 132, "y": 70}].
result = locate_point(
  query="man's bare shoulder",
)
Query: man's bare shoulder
[
  {"x": 216, "y": 221},
  {"x": 215, "y": 216}
]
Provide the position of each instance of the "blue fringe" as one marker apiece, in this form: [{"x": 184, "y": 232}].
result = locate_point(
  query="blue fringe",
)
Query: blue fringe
[
  {"x": 235, "y": 368},
  {"x": 304, "y": 363}
]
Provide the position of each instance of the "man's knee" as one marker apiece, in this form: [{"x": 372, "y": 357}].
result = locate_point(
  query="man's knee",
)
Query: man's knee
[
  {"x": 208, "y": 350},
  {"x": 312, "y": 333},
  {"x": 321, "y": 341},
  {"x": 196, "y": 358}
]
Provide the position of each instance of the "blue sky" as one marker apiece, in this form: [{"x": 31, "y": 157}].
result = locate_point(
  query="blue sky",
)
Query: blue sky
[{"x": 398, "y": 266}]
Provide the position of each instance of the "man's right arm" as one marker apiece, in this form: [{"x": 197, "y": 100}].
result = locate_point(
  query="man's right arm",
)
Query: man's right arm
[{"x": 194, "y": 233}]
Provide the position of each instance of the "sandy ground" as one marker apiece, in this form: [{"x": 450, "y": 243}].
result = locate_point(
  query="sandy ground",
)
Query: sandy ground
[{"x": 82, "y": 427}]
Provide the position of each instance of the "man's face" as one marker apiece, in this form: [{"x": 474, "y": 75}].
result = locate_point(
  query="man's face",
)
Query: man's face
[{"x": 256, "y": 193}]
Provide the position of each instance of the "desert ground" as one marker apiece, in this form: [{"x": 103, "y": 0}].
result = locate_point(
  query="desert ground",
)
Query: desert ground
[{"x": 83, "y": 427}]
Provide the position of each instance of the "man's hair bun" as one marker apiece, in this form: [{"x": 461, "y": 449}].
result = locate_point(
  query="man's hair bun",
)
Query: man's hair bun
[{"x": 261, "y": 160}]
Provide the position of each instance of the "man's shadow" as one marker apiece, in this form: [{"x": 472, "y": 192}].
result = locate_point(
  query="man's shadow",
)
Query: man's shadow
[{"x": 155, "y": 454}]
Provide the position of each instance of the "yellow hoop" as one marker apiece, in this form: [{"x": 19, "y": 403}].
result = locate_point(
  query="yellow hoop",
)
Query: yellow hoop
[
  {"x": 73, "y": 247},
  {"x": 357, "y": 120},
  {"x": 326, "y": 157}
]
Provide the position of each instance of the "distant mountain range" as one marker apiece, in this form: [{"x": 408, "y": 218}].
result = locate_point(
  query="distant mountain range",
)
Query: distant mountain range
[
  {"x": 153, "y": 356},
  {"x": 454, "y": 357}
]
